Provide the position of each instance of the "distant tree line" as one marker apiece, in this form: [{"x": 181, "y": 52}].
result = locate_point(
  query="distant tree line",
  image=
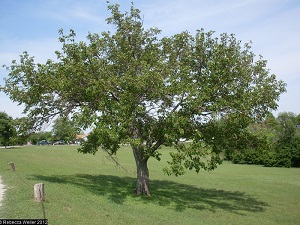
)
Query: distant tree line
[
  {"x": 20, "y": 131},
  {"x": 274, "y": 142}
]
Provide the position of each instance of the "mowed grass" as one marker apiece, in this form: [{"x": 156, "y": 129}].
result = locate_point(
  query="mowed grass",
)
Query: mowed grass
[{"x": 87, "y": 189}]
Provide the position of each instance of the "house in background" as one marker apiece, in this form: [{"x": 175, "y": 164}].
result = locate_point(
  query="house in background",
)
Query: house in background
[{"x": 80, "y": 138}]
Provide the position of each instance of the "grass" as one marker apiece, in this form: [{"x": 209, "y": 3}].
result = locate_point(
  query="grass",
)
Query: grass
[{"x": 87, "y": 189}]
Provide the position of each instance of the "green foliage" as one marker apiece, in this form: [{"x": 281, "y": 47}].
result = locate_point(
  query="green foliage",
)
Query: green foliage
[
  {"x": 64, "y": 129},
  {"x": 7, "y": 129},
  {"x": 35, "y": 137},
  {"x": 287, "y": 147},
  {"x": 250, "y": 156},
  {"x": 192, "y": 156},
  {"x": 279, "y": 140},
  {"x": 295, "y": 152},
  {"x": 24, "y": 128},
  {"x": 133, "y": 87}
]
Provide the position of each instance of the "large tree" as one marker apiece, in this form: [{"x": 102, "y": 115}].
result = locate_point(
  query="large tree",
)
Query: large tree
[{"x": 134, "y": 86}]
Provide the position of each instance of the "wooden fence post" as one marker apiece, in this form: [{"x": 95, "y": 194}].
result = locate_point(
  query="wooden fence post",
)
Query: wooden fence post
[
  {"x": 39, "y": 194},
  {"x": 12, "y": 167}
]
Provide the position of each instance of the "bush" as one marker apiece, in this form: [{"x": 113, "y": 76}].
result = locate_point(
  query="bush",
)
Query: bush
[
  {"x": 284, "y": 154},
  {"x": 280, "y": 158},
  {"x": 275, "y": 144},
  {"x": 250, "y": 156},
  {"x": 295, "y": 152}
]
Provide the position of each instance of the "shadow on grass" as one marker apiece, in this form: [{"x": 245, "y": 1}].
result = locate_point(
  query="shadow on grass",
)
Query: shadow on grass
[{"x": 164, "y": 193}]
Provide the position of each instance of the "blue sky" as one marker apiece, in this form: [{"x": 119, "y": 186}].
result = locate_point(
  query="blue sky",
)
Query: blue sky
[{"x": 272, "y": 25}]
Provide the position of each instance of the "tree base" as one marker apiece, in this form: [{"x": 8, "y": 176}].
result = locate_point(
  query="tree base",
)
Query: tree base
[{"x": 139, "y": 191}]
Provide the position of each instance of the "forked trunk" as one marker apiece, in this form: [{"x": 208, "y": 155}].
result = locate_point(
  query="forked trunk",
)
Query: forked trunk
[{"x": 142, "y": 186}]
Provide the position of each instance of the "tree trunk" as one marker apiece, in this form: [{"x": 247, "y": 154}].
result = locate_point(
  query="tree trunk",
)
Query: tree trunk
[{"x": 142, "y": 186}]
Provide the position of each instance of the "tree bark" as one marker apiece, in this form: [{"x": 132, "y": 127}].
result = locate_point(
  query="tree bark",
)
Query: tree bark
[{"x": 142, "y": 186}]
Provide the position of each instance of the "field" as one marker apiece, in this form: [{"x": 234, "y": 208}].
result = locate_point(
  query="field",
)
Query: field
[{"x": 87, "y": 189}]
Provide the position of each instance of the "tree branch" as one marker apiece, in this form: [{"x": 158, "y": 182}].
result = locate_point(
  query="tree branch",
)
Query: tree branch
[
  {"x": 114, "y": 96},
  {"x": 157, "y": 144},
  {"x": 117, "y": 163}
]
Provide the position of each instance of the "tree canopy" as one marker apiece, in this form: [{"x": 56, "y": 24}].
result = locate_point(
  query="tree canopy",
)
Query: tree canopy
[{"x": 134, "y": 86}]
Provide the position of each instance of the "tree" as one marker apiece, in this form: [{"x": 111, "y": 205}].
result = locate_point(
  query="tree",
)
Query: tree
[
  {"x": 7, "y": 130},
  {"x": 23, "y": 128},
  {"x": 287, "y": 149},
  {"x": 35, "y": 137},
  {"x": 261, "y": 139},
  {"x": 134, "y": 87},
  {"x": 276, "y": 142},
  {"x": 297, "y": 120},
  {"x": 64, "y": 129},
  {"x": 287, "y": 128}
]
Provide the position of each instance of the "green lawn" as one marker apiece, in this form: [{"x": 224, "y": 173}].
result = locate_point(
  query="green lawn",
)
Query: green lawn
[{"x": 87, "y": 189}]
